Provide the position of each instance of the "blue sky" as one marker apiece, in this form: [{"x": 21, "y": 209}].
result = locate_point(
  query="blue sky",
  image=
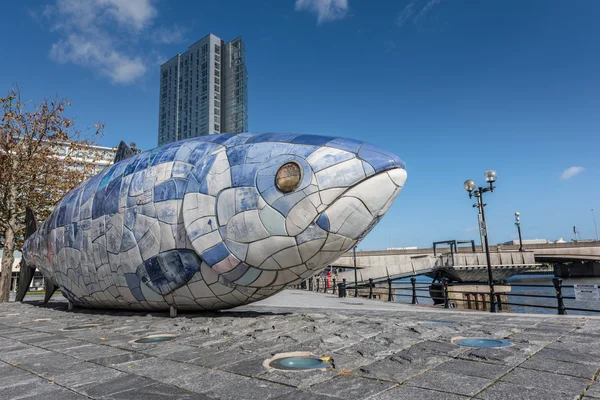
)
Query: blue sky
[{"x": 454, "y": 87}]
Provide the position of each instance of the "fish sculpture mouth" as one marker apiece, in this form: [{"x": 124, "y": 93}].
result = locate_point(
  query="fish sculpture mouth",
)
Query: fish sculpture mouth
[{"x": 357, "y": 210}]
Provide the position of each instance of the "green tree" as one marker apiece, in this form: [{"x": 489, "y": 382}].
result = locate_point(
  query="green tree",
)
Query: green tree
[{"x": 42, "y": 157}]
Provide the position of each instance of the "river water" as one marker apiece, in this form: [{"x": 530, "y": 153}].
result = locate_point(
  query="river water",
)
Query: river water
[{"x": 518, "y": 279}]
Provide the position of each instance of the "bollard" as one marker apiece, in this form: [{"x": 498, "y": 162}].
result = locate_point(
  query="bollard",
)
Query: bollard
[
  {"x": 370, "y": 288},
  {"x": 561, "y": 305},
  {"x": 390, "y": 297},
  {"x": 333, "y": 287},
  {"x": 344, "y": 286},
  {"x": 413, "y": 282},
  {"x": 498, "y": 302},
  {"x": 340, "y": 289},
  {"x": 310, "y": 284},
  {"x": 446, "y": 300},
  {"x": 318, "y": 284}
]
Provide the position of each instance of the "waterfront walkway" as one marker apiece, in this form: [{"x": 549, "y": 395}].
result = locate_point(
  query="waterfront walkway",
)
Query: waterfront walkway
[{"x": 380, "y": 350}]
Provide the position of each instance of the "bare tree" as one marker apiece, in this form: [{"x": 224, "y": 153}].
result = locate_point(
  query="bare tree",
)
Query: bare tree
[{"x": 42, "y": 157}]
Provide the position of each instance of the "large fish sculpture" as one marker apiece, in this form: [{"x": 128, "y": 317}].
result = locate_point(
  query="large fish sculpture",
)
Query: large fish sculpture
[{"x": 213, "y": 222}]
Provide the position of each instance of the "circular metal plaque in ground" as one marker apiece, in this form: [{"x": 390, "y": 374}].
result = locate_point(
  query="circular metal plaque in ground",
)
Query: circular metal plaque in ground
[
  {"x": 80, "y": 327},
  {"x": 154, "y": 339},
  {"x": 298, "y": 361},
  {"x": 481, "y": 343}
]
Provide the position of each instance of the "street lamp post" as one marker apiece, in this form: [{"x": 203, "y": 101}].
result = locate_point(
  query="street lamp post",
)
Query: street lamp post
[
  {"x": 518, "y": 224},
  {"x": 471, "y": 187},
  {"x": 355, "y": 273},
  {"x": 595, "y": 227}
]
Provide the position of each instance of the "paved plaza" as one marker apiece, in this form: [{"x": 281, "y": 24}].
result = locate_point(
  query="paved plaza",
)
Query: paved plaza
[{"x": 380, "y": 351}]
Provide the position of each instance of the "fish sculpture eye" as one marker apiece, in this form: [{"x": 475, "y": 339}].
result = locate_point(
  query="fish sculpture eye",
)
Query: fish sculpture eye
[{"x": 288, "y": 177}]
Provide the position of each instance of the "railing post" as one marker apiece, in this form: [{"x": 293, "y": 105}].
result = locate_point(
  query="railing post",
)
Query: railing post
[
  {"x": 561, "y": 305},
  {"x": 344, "y": 286},
  {"x": 413, "y": 282},
  {"x": 499, "y": 301},
  {"x": 390, "y": 297},
  {"x": 446, "y": 300},
  {"x": 370, "y": 288},
  {"x": 318, "y": 284},
  {"x": 333, "y": 287},
  {"x": 311, "y": 283}
]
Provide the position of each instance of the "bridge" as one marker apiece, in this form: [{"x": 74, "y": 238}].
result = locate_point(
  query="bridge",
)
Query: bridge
[{"x": 575, "y": 258}]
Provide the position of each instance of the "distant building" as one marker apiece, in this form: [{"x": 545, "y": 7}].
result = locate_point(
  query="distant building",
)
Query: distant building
[
  {"x": 526, "y": 242},
  {"x": 204, "y": 91}
]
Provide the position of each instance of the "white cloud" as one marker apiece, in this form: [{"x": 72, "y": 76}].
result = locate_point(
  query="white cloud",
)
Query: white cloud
[
  {"x": 96, "y": 35},
  {"x": 571, "y": 172},
  {"x": 416, "y": 11},
  {"x": 165, "y": 35},
  {"x": 326, "y": 10}
]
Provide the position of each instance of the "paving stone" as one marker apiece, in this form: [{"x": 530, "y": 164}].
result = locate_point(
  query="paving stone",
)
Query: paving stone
[
  {"x": 450, "y": 382},
  {"x": 541, "y": 363},
  {"x": 119, "y": 383},
  {"x": 568, "y": 356},
  {"x": 348, "y": 387},
  {"x": 594, "y": 390},
  {"x": 157, "y": 391},
  {"x": 415, "y": 393},
  {"x": 547, "y": 381},
  {"x": 298, "y": 394},
  {"x": 395, "y": 369},
  {"x": 473, "y": 368},
  {"x": 118, "y": 359},
  {"x": 509, "y": 391}
]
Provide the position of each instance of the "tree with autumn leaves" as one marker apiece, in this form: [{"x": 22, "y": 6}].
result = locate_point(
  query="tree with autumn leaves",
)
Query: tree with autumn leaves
[{"x": 42, "y": 157}]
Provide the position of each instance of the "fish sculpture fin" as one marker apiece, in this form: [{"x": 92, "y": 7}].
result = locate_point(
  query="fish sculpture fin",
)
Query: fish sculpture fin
[
  {"x": 123, "y": 152},
  {"x": 169, "y": 270},
  {"x": 50, "y": 289},
  {"x": 26, "y": 272}
]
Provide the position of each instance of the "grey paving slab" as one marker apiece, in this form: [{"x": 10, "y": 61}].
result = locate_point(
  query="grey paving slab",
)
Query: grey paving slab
[
  {"x": 414, "y": 393},
  {"x": 509, "y": 391},
  {"x": 542, "y": 363},
  {"x": 349, "y": 387},
  {"x": 156, "y": 391},
  {"x": 474, "y": 368},
  {"x": 380, "y": 350},
  {"x": 118, "y": 383},
  {"x": 450, "y": 382},
  {"x": 547, "y": 381},
  {"x": 594, "y": 390}
]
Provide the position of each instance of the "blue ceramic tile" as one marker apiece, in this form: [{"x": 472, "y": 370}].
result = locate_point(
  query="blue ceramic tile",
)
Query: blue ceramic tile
[
  {"x": 346, "y": 144},
  {"x": 283, "y": 137},
  {"x": 133, "y": 282},
  {"x": 130, "y": 169},
  {"x": 192, "y": 186},
  {"x": 246, "y": 198},
  {"x": 379, "y": 161},
  {"x": 237, "y": 154},
  {"x": 169, "y": 270},
  {"x": 323, "y": 221},
  {"x": 238, "y": 139},
  {"x": 220, "y": 139},
  {"x": 262, "y": 137},
  {"x": 127, "y": 241},
  {"x": 330, "y": 159},
  {"x": 143, "y": 162},
  {"x": 215, "y": 254},
  {"x": 166, "y": 190},
  {"x": 315, "y": 140},
  {"x": 243, "y": 175}
]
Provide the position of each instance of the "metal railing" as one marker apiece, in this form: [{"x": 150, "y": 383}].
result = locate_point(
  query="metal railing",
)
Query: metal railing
[{"x": 390, "y": 292}]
